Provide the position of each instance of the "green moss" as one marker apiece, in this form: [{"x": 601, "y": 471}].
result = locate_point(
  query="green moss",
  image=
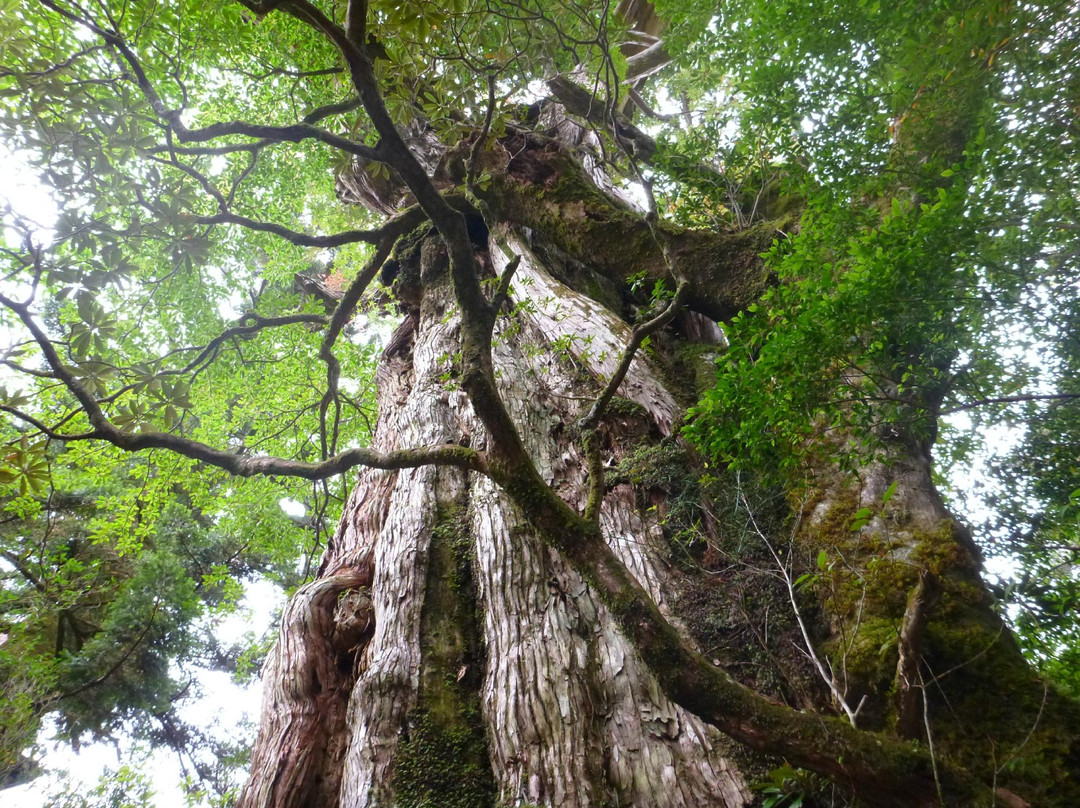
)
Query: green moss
[
  {"x": 872, "y": 653},
  {"x": 695, "y": 368},
  {"x": 407, "y": 248},
  {"x": 402, "y": 270},
  {"x": 441, "y": 767},
  {"x": 994, "y": 717},
  {"x": 988, "y": 711},
  {"x": 662, "y": 466},
  {"x": 625, "y": 408},
  {"x": 442, "y": 759}
]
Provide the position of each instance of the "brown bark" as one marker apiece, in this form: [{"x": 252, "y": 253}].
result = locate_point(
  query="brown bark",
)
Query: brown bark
[
  {"x": 573, "y": 716},
  {"x": 576, "y": 715},
  {"x": 297, "y": 759}
]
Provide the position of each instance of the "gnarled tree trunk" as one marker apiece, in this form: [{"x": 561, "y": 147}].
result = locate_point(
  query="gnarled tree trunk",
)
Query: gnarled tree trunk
[
  {"x": 448, "y": 654},
  {"x": 492, "y": 671}
]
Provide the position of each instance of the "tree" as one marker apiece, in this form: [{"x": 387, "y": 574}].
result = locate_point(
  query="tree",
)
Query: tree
[{"x": 547, "y": 586}]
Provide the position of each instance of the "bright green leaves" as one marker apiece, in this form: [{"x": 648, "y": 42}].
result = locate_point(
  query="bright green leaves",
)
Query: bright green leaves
[
  {"x": 95, "y": 328},
  {"x": 111, "y": 560},
  {"x": 933, "y": 270},
  {"x": 26, "y": 465},
  {"x": 106, "y": 575},
  {"x": 828, "y": 350},
  {"x": 417, "y": 19}
]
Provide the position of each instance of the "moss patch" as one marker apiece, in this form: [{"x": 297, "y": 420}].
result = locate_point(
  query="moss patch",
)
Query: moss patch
[
  {"x": 441, "y": 767},
  {"x": 442, "y": 760},
  {"x": 988, "y": 711}
]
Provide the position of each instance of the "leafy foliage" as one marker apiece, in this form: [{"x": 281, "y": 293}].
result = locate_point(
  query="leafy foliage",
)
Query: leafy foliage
[
  {"x": 933, "y": 269},
  {"x": 110, "y": 582},
  {"x": 176, "y": 321}
]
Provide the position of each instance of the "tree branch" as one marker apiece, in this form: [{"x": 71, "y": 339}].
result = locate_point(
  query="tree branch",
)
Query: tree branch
[
  {"x": 294, "y": 133},
  {"x": 478, "y": 377},
  {"x": 341, "y": 316},
  {"x": 237, "y": 464},
  {"x": 893, "y": 773},
  {"x": 638, "y": 336},
  {"x": 908, "y": 677},
  {"x": 982, "y": 402},
  {"x": 294, "y": 237}
]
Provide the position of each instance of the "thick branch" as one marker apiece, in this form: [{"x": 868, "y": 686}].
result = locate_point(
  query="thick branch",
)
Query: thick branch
[
  {"x": 478, "y": 377},
  {"x": 356, "y": 22},
  {"x": 546, "y": 190},
  {"x": 24, "y": 570},
  {"x": 338, "y": 321},
  {"x": 580, "y": 102},
  {"x": 251, "y": 323},
  {"x": 294, "y": 133},
  {"x": 889, "y": 772},
  {"x": 639, "y": 335},
  {"x": 294, "y": 236}
]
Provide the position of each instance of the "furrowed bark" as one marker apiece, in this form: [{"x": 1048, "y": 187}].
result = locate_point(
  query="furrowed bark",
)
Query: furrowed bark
[
  {"x": 297, "y": 758},
  {"x": 573, "y": 717}
]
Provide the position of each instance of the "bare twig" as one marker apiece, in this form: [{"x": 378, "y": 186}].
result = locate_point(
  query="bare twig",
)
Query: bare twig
[{"x": 785, "y": 574}]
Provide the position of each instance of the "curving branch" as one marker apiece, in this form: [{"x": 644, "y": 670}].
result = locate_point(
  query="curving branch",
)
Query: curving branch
[
  {"x": 895, "y": 773},
  {"x": 294, "y": 133},
  {"x": 1017, "y": 399},
  {"x": 294, "y": 237},
  {"x": 237, "y": 464},
  {"x": 341, "y": 316},
  {"x": 478, "y": 314},
  {"x": 46, "y": 430},
  {"x": 637, "y": 337}
]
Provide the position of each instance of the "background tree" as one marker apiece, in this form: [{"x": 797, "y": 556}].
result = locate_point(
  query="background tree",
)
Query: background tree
[
  {"x": 539, "y": 591},
  {"x": 115, "y": 582}
]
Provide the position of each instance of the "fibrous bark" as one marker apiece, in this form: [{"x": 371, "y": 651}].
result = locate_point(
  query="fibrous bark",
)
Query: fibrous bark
[{"x": 571, "y": 715}]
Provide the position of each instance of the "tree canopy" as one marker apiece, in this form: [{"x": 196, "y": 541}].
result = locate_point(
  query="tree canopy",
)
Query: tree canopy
[{"x": 193, "y": 336}]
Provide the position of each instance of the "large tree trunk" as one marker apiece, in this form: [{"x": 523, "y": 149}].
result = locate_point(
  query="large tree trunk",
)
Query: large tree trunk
[
  {"x": 447, "y": 654},
  {"x": 487, "y": 651},
  {"x": 492, "y": 669}
]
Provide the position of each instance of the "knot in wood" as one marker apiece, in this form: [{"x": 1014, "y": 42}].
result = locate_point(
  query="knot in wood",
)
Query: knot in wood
[{"x": 354, "y": 619}]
